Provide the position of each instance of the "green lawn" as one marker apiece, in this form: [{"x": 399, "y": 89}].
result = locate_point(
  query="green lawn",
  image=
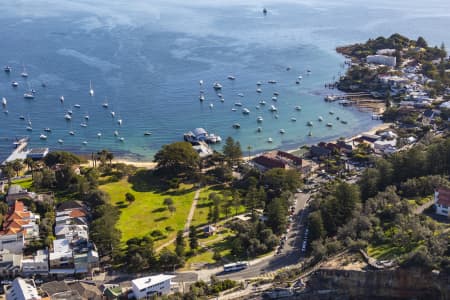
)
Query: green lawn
[
  {"x": 202, "y": 210},
  {"x": 147, "y": 212},
  {"x": 385, "y": 251},
  {"x": 25, "y": 183}
]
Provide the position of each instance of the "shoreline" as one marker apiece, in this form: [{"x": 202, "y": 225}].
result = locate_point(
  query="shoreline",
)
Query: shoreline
[{"x": 151, "y": 165}]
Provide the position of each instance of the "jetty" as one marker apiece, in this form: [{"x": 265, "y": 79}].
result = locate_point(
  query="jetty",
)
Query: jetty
[{"x": 20, "y": 150}]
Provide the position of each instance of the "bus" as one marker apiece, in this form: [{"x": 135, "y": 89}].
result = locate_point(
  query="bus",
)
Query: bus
[{"x": 239, "y": 265}]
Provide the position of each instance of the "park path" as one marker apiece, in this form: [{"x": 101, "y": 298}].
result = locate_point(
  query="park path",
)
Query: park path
[
  {"x": 188, "y": 221},
  {"x": 418, "y": 210}
]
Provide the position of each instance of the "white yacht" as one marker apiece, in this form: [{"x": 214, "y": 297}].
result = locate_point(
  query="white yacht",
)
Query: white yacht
[
  {"x": 309, "y": 123},
  {"x": 99, "y": 135},
  {"x": 282, "y": 131},
  {"x": 259, "y": 119},
  {"x": 272, "y": 81},
  {"x": 69, "y": 111},
  {"x": 238, "y": 104},
  {"x": 217, "y": 86},
  {"x": 113, "y": 114},
  {"x": 219, "y": 95},
  {"x": 240, "y": 94},
  {"x": 231, "y": 77},
  {"x": 47, "y": 129},
  {"x": 4, "y": 101},
  {"x": 83, "y": 124},
  {"x": 201, "y": 97},
  {"x": 329, "y": 124},
  {"x": 7, "y": 69},
  {"x": 293, "y": 119},
  {"x": 276, "y": 94},
  {"x": 116, "y": 133},
  {"x": 28, "y": 95},
  {"x": 273, "y": 108},
  {"x": 24, "y": 72},
  {"x": 60, "y": 141},
  {"x": 43, "y": 137},
  {"x": 122, "y": 139},
  {"x": 320, "y": 118},
  {"x": 105, "y": 103},
  {"x": 86, "y": 117},
  {"x": 236, "y": 125},
  {"x": 15, "y": 84},
  {"x": 233, "y": 109},
  {"x": 245, "y": 111},
  {"x": 91, "y": 89},
  {"x": 298, "y": 108},
  {"x": 68, "y": 117},
  {"x": 72, "y": 132},
  {"x": 259, "y": 83},
  {"x": 85, "y": 142},
  {"x": 331, "y": 112},
  {"x": 274, "y": 98},
  {"x": 200, "y": 82},
  {"x": 222, "y": 100},
  {"x": 22, "y": 117},
  {"x": 61, "y": 99},
  {"x": 77, "y": 106},
  {"x": 29, "y": 128},
  {"x": 258, "y": 90},
  {"x": 147, "y": 133},
  {"x": 269, "y": 140},
  {"x": 211, "y": 105},
  {"x": 262, "y": 102},
  {"x": 119, "y": 122}
]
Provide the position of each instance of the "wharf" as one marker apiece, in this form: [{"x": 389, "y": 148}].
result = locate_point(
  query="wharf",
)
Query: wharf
[{"x": 20, "y": 151}]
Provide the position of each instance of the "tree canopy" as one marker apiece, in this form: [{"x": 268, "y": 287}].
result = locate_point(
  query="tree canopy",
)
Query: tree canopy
[{"x": 177, "y": 159}]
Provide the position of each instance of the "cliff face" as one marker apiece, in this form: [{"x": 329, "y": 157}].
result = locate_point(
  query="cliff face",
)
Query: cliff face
[{"x": 384, "y": 284}]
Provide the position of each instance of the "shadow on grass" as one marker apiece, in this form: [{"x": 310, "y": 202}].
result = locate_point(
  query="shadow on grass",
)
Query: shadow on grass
[
  {"x": 203, "y": 205},
  {"x": 159, "y": 210},
  {"x": 179, "y": 192},
  {"x": 121, "y": 206},
  {"x": 148, "y": 181},
  {"x": 161, "y": 219}
]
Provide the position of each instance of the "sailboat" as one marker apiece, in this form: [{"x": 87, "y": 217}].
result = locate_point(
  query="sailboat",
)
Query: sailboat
[
  {"x": 24, "y": 72},
  {"x": 91, "y": 89},
  {"x": 105, "y": 103},
  {"x": 61, "y": 99},
  {"x": 119, "y": 121},
  {"x": 4, "y": 102}
]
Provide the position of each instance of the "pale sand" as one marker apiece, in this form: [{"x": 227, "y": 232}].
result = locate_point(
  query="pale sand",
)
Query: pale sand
[{"x": 152, "y": 165}]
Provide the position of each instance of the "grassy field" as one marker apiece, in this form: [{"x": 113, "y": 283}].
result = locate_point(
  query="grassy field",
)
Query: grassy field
[
  {"x": 202, "y": 210},
  {"x": 147, "y": 213},
  {"x": 26, "y": 183}
]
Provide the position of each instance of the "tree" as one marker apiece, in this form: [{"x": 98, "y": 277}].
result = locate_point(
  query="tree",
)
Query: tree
[
  {"x": 129, "y": 197},
  {"x": 8, "y": 171},
  {"x": 180, "y": 244},
  {"x": 168, "y": 202},
  {"x": 236, "y": 201},
  {"x": 61, "y": 157},
  {"x": 177, "y": 159},
  {"x": 315, "y": 225},
  {"x": 421, "y": 42},
  {"x": 232, "y": 150},
  {"x": 17, "y": 166},
  {"x": 278, "y": 179},
  {"x": 172, "y": 209},
  {"x": 193, "y": 240},
  {"x": 276, "y": 215}
]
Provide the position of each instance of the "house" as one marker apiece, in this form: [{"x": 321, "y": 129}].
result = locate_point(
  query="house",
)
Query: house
[
  {"x": 19, "y": 226},
  {"x": 265, "y": 163},
  {"x": 16, "y": 192},
  {"x": 209, "y": 230},
  {"x": 390, "y": 61},
  {"x": 37, "y": 153},
  {"x": 112, "y": 292},
  {"x": 36, "y": 264},
  {"x": 442, "y": 201},
  {"x": 385, "y": 147},
  {"x": 151, "y": 285},
  {"x": 60, "y": 290},
  {"x": 22, "y": 289},
  {"x": 9, "y": 264},
  {"x": 429, "y": 116}
]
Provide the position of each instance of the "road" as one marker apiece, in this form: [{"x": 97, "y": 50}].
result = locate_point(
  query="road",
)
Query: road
[{"x": 291, "y": 253}]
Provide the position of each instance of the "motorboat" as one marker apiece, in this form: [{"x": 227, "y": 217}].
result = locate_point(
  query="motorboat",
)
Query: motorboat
[
  {"x": 331, "y": 112},
  {"x": 258, "y": 90},
  {"x": 276, "y": 116},
  {"x": 272, "y": 81},
  {"x": 276, "y": 94},
  {"x": 297, "y": 82},
  {"x": 240, "y": 94},
  {"x": 236, "y": 125},
  {"x": 233, "y": 109},
  {"x": 269, "y": 140},
  {"x": 259, "y": 83},
  {"x": 4, "y": 101},
  {"x": 329, "y": 124},
  {"x": 86, "y": 117},
  {"x": 60, "y": 141},
  {"x": 274, "y": 98},
  {"x": 298, "y": 108},
  {"x": 91, "y": 89},
  {"x": 211, "y": 105},
  {"x": 72, "y": 132},
  {"x": 24, "y": 72},
  {"x": 300, "y": 77},
  {"x": 105, "y": 104},
  {"x": 147, "y": 133},
  {"x": 116, "y": 133},
  {"x": 119, "y": 122},
  {"x": 6, "y": 112},
  {"x": 47, "y": 129},
  {"x": 7, "y": 69},
  {"x": 28, "y": 95},
  {"x": 337, "y": 118},
  {"x": 85, "y": 142},
  {"x": 273, "y": 108},
  {"x": 231, "y": 77},
  {"x": 259, "y": 129},
  {"x": 61, "y": 99},
  {"x": 222, "y": 100},
  {"x": 238, "y": 104},
  {"x": 83, "y": 124},
  {"x": 259, "y": 119},
  {"x": 245, "y": 111},
  {"x": 122, "y": 139},
  {"x": 29, "y": 128},
  {"x": 330, "y": 98},
  {"x": 113, "y": 114},
  {"x": 200, "y": 82},
  {"x": 77, "y": 106},
  {"x": 69, "y": 111},
  {"x": 219, "y": 95},
  {"x": 22, "y": 117},
  {"x": 201, "y": 97},
  {"x": 67, "y": 117},
  {"x": 293, "y": 119},
  {"x": 282, "y": 131},
  {"x": 309, "y": 123},
  {"x": 320, "y": 119},
  {"x": 43, "y": 137},
  {"x": 310, "y": 133},
  {"x": 217, "y": 86},
  {"x": 262, "y": 102},
  {"x": 99, "y": 135},
  {"x": 265, "y": 11},
  {"x": 257, "y": 106},
  {"x": 344, "y": 122},
  {"x": 15, "y": 84}
]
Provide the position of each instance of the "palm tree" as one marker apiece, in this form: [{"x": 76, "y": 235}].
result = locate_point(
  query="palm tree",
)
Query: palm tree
[
  {"x": 8, "y": 171},
  {"x": 17, "y": 166}
]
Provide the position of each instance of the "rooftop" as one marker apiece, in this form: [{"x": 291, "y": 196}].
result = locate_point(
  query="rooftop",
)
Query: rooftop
[
  {"x": 143, "y": 282},
  {"x": 444, "y": 196}
]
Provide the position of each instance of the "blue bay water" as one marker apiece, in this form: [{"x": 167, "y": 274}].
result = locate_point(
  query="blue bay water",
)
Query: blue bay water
[{"x": 147, "y": 57}]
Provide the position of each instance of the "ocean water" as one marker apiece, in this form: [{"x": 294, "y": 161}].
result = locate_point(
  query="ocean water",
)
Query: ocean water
[{"x": 147, "y": 57}]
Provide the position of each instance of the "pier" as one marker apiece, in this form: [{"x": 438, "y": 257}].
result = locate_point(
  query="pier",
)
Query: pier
[{"x": 20, "y": 150}]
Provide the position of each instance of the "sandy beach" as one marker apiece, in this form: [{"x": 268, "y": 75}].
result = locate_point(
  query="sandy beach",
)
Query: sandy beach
[{"x": 152, "y": 165}]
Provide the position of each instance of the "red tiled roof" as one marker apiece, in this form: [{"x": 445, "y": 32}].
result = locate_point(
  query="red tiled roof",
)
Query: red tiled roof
[
  {"x": 444, "y": 196},
  {"x": 269, "y": 162},
  {"x": 77, "y": 213},
  {"x": 15, "y": 219}
]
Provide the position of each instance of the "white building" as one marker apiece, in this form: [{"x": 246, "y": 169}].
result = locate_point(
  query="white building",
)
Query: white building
[
  {"x": 442, "y": 201},
  {"x": 386, "y": 146},
  {"x": 37, "y": 264},
  {"x": 390, "y": 61},
  {"x": 22, "y": 289},
  {"x": 151, "y": 285},
  {"x": 386, "y": 52}
]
